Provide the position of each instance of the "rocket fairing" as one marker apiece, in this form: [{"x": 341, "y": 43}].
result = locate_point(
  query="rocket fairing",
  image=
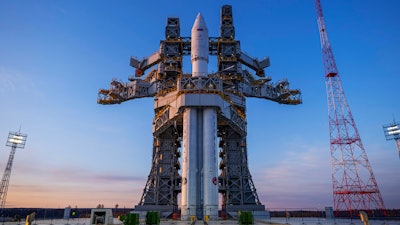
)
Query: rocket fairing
[
  {"x": 199, "y": 158},
  {"x": 199, "y": 47}
]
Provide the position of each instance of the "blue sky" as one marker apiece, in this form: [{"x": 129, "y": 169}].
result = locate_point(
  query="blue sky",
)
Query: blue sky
[{"x": 56, "y": 55}]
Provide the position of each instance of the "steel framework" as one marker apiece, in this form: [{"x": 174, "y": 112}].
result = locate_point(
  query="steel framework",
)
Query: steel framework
[
  {"x": 173, "y": 91},
  {"x": 354, "y": 184},
  {"x": 392, "y": 132},
  {"x": 15, "y": 140}
]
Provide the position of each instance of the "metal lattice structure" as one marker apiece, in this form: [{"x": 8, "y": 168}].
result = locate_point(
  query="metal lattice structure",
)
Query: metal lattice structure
[
  {"x": 392, "y": 132},
  {"x": 15, "y": 140},
  {"x": 354, "y": 184},
  {"x": 173, "y": 91}
]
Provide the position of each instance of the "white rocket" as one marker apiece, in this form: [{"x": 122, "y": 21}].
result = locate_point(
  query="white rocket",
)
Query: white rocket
[{"x": 199, "y": 160}]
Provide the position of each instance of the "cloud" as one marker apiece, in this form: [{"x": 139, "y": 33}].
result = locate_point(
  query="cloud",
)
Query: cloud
[
  {"x": 58, "y": 195},
  {"x": 13, "y": 81},
  {"x": 73, "y": 186},
  {"x": 385, "y": 168},
  {"x": 48, "y": 173},
  {"x": 300, "y": 180}
]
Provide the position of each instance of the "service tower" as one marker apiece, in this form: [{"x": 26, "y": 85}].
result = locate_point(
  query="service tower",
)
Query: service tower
[{"x": 202, "y": 115}]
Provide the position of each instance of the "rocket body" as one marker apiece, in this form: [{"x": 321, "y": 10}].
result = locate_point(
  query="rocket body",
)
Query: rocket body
[{"x": 199, "y": 162}]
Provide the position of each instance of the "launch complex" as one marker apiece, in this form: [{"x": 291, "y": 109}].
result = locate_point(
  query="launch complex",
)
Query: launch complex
[{"x": 200, "y": 117}]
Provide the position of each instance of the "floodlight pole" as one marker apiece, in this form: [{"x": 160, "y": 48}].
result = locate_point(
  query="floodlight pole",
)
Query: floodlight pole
[
  {"x": 392, "y": 132},
  {"x": 15, "y": 140},
  {"x": 6, "y": 178}
]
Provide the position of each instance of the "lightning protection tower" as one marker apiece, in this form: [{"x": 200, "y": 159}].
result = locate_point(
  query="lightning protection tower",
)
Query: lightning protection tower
[
  {"x": 176, "y": 93},
  {"x": 15, "y": 140},
  {"x": 392, "y": 132},
  {"x": 354, "y": 184}
]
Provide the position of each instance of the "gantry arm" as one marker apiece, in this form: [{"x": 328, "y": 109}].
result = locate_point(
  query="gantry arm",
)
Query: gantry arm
[
  {"x": 278, "y": 92},
  {"x": 120, "y": 92},
  {"x": 254, "y": 64},
  {"x": 146, "y": 63}
]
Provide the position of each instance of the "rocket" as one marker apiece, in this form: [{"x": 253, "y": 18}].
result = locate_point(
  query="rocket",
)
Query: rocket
[{"x": 199, "y": 159}]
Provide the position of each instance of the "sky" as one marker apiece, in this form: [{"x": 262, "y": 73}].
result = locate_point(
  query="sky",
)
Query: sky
[{"x": 56, "y": 55}]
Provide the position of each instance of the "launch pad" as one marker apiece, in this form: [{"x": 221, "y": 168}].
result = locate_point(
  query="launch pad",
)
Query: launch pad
[{"x": 202, "y": 116}]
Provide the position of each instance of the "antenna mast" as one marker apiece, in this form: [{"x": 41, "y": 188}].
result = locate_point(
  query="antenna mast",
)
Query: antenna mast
[{"x": 354, "y": 184}]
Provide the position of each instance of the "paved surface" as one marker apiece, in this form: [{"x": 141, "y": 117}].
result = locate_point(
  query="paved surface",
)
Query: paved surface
[{"x": 272, "y": 221}]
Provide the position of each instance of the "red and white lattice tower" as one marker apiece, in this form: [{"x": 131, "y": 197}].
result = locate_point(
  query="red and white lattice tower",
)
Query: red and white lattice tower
[{"x": 354, "y": 184}]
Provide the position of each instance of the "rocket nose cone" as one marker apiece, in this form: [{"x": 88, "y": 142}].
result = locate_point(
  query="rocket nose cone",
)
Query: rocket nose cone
[
  {"x": 199, "y": 23},
  {"x": 199, "y": 16}
]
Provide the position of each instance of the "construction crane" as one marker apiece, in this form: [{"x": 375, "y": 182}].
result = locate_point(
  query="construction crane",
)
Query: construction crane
[
  {"x": 15, "y": 140},
  {"x": 354, "y": 184}
]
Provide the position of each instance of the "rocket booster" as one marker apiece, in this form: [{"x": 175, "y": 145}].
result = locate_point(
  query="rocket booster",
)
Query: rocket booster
[{"x": 200, "y": 157}]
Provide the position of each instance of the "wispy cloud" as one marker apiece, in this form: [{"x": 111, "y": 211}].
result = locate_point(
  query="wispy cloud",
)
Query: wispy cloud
[
  {"x": 73, "y": 186},
  {"x": 386, "y": 171},
  {"x": 14, "y": 81},
  {"x": 74, "y": 174},
  {"x": 302, "y": 179}
]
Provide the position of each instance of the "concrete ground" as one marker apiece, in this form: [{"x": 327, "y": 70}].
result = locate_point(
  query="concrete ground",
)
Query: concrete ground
[{"x": 272, "y": 221}]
